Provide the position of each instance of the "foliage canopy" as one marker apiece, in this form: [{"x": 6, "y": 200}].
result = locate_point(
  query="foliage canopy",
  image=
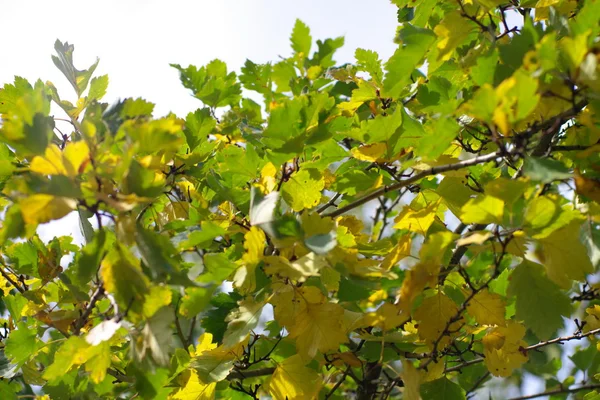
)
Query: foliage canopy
[{"x": 408, "y": 228}]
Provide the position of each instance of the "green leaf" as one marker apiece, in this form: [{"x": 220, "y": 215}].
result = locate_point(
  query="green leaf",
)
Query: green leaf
[
  {"x": 242, "y": 321},
  {"x": 415, "y": 44},
  {"x": 565, "y": 257},
  {"x": 9, "y": 390},
  {"x": 301, "y": 39},
  {"x": 545, "y": 170},
  {"x": 540, "y": 302},
  {"x": 406, "y": 14},
  {"x": 368, "y": 61},
  {"x": 257, "y": 77},
  {"x": 442, "y": 389},
  {"x": 123, "y": 278},
  {"x": 87, "y": 230},
  {"x": 10, "y": 94},
  {"x": 204, "y": 237},
  {"x": 198, "y": 125},
  {"x": 98, "y": 88},
  {"x": 196, "y": 299},
  {"x": 212, "y": 366},
  {"x": 156, "y": 338},
  {"x": 438, "y": 137},
  {"x": 79, "y": 79},
  {"x": 21, "y": 344},
  {"x": 303, "y": 189},
  {"x": 322, "y": 243},
  {"x": 157, "y": 251},
  {"x": 71, "y": 353},
  {"x": 214, "y": 320},
  {"x": 142, "y": 181},
  {"x": 353, "y": 290},
  {"x": 482, "y": 210},
  {"x": 211, "y": 84},
  {"x": 218, "y": 267},
  {"x": 134, "y": 108},
  {"x": 88, "y": 260}
]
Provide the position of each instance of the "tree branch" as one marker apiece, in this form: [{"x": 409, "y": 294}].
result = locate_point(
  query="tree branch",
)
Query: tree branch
[
  {"x": 429, "y": 172},
  {"x": 559, "y": 391},
  {"x": 9, "y": 279},
  {"x": 239, "y": 375},
  {"x": 559, "y": 340},
  {"x": 88, "y": 310}
]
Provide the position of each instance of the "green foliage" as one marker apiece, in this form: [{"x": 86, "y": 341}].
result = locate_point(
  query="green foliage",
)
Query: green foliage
[{"x": 401, "y": 228}]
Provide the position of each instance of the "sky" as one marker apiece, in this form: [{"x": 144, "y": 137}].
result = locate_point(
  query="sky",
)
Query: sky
[{"x": 137, "y": 40}]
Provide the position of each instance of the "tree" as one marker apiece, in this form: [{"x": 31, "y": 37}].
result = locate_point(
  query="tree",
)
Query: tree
[{"x": 401, "y": 229}]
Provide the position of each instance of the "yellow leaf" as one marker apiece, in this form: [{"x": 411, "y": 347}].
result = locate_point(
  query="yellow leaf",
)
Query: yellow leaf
[
  {"x": 434, "y": 247},
  {"x": 565, "y": 257},
  {"x": 370, "y": 152},
  {"x": 314, "y": 224},
  {"x": 195, "y": 389},
  {"x": 435, "y": 370},
  {"x": 417, "y": 279},
  {"x": 452, "y": 31},
  {"x": 378, "y": 296},
  {"x": 99, "y": 361},
  {"x": 592, "y": 318},
  {"x": 158, "y": 297},
  {"x": 267, "y": 182},
  {"x": 399, "y": 252},
  {"x": 387, "y": 317},
  {"x": 587, "y": 187},
  {"x": 487, "y": 308},
  {"x": 299, "y": 270},
  {"x": 303, "y": 189},
  {"x": 474, "y": 238},
  {"x": 319, "y": 327},
  {"x": 434, "y": 314},
  {"x": 205, "y": 343},
  {"x": 241, "y": 321},
  {"x": 245, "y": 276},
  {"x": 292, "y": 380},
  {"x": 289, "y": 302},
  {"x": 417, "y": 221},
  {"x": 123, "y": 278},
  {"x": 67, "y": 162},
  {"x": 482, "y": 210},
  {"x": 412, "y": 381},
  {"x": 42, "y": 208},
  {"x": 503, "y": 349}
]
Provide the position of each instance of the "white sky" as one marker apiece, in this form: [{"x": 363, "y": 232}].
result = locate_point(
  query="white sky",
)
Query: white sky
[{"x": 136, "y": 40}]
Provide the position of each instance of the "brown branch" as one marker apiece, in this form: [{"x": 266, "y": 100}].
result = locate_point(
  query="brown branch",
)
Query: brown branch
[
  {"x": 431, "y": 171},
  {"x": 239, "y": 375},
  {"x": 9, "y": 279},
  {"x": 559, "y": 391},
  {"x": 88, "y": 310},
  {"x": 560, "y": 340},
  {"x": 338, "y": 383},
  {"x": 330, "y": 203}
]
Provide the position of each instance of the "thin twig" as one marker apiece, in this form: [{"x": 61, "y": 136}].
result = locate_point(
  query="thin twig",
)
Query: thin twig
[
  {"x": 338, "y": 383},
  {"x": 560, "y": 340},
  {"x": 88, "y": 310},
  {"x": 330, "y": 203},
  {"x": 239, "y": 375},
  {"x": 559, "y": 391},
  {"x": 8, "y": 278},
  {"x": 431, "y": 171}
]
